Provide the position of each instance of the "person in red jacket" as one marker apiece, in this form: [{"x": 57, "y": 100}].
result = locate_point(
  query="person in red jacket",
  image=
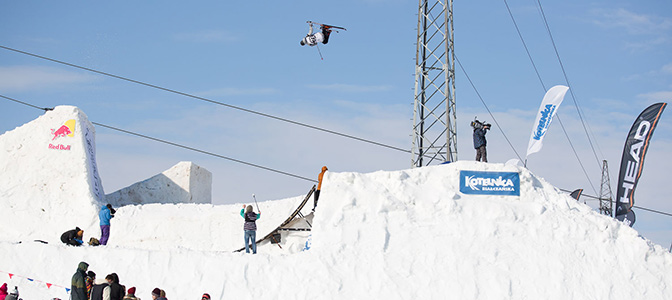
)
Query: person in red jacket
[{"x": 3, "y": 291}]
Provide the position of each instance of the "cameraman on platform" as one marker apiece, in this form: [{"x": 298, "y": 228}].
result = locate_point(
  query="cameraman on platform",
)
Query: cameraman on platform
[{"x": 480, "y": 129}]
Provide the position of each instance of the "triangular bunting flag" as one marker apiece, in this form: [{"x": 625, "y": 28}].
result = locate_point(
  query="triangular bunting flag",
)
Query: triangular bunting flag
[
  {"x": 48, "y": 285},
  {"x": 67, "y": 290},
  {"x": 10, "y": 275},
  {"x": 29, "y": 279}
]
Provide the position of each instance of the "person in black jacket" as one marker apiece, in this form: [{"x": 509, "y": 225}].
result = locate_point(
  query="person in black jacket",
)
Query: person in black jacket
[
  {"x": 100, "y": 290},
  {"x": 73, "y": 237},
  {"x": 117, "y": 291}
]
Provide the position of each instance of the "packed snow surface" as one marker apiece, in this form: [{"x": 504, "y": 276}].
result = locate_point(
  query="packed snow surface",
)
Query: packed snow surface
[{"x": 408, "y": 234}]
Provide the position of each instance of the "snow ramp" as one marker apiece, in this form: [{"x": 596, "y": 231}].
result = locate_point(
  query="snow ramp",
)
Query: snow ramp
[{"x": 48, "y": 169}]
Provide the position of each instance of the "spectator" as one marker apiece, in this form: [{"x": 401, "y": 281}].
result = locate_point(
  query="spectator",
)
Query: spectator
[
  {"x": 14, "y": 295},
  {"x": 205, "y": 296},
  {"x": 100, "y": 290},
  {"x": 78, "y": 288},
  {"x": 3, "y": 291},
  {"x": 131, "y": 294},
  {"x": 117, "y": 291},
  {"x": 157, "y": 294},
  {"x": 90, "y": 278}
]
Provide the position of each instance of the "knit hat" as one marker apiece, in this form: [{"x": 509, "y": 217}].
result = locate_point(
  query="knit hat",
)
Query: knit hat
[
  {"x": 206, "y": 296},
  {"x": 131, "y": 291},
  {"x": 156, "y": 292}
]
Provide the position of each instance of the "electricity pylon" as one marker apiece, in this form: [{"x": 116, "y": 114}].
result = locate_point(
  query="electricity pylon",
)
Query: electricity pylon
[{"x": 434, "y": 125}]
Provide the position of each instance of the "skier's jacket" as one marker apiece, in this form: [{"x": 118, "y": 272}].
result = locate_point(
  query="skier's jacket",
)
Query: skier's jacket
[
  {"x": 78, "y": 291},
  {"x": 319, "y": 178},
  {"x": 89, "y": 285},
  {"x": 479, "y": 138},
  {"x": 3, "y": 291},
  {"x": 105, "y": 215},
  {"x": 117, "y": 292},
  {"x": 250, "y": 219}
]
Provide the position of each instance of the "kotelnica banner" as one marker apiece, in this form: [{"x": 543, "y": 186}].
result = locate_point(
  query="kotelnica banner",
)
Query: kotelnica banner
[{"x": 548, "y": 108}]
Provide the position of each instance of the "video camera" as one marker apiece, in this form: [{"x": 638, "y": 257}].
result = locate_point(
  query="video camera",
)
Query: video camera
[{"x": 476, "y": 124}]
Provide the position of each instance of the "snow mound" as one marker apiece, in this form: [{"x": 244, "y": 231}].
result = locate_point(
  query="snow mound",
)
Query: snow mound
[
  {"x": 415, "y": 232},
  {"x": 406, "y": 234},
  {"x": 185, "y": 182}
]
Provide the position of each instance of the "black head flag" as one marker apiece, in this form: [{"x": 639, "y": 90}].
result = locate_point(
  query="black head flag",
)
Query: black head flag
[{"x": 632, "y": 161}]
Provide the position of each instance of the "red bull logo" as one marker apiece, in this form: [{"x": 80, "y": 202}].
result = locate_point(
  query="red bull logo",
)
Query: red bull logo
[{"x": 67, "y": 129}]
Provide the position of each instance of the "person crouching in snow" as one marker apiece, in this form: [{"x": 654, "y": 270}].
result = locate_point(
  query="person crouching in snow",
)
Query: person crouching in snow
[
  {"x": 73, "y": 237},
  {"x": 106, "y": 213},
  {"x": 250, "y": 227}
]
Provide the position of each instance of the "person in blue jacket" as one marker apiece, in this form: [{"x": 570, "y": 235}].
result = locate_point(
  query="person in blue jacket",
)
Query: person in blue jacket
[
  {"x": 250, "y": 227},
  {"x": 106, "y": 213}
]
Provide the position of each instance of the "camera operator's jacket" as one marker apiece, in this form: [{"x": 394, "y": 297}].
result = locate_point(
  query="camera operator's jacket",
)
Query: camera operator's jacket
[{"x": 479, "y": 138}]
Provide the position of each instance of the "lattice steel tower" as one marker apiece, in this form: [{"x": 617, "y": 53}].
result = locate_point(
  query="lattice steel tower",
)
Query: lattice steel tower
[
  {"x": 605, "y": 191},
  {"x": 434, "y": 127}
]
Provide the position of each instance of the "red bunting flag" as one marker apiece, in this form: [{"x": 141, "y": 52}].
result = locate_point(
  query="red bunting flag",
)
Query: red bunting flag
[
  {"x": 10, "y": 275},
  {"x": 48, "y": 285}
]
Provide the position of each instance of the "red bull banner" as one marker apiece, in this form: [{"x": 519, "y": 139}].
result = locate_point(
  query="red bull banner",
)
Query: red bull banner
[{"x": 632, "y": 161}]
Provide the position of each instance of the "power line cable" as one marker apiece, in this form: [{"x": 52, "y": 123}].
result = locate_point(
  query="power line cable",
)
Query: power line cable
[
  {"x": 642, "y": 208},
  {"x": 534, "y": 65},
  {"x": 208, "y": 100},
  {"x": 175, "y": 144},
  {"x": 233, "y": 159},
  {"x": 571, "y": 90},
  {"x": 486, "y": 107}
]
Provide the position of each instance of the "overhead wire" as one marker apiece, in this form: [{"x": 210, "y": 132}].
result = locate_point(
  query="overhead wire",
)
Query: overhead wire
[
  {"x": 175, "y": 144},
  {"x": 536, "y": 70},
  {"x": 571, "y": 90},
  {"x": 208, "y": 100},
  {"x": 593, "y": 198},
  {"x": 486, "y": 107}
]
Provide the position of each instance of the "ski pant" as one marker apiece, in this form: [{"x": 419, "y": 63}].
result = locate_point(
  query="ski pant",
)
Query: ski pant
[
  {"x": 326, "y": 33},
  {"x": 105, "y": 234},
  {"x": 481, "y": 154},
  {"x": 72, "y": 242},
  {"x": 316, "y": 196},
  {"x": 251, "y": 238}
]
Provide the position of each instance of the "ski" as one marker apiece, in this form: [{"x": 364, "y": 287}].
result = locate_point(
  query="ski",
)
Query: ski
[{"x": 326, "y": 26}]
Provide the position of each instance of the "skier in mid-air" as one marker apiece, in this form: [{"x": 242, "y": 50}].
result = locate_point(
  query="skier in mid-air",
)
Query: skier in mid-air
[{"x": 312, "y": 39}]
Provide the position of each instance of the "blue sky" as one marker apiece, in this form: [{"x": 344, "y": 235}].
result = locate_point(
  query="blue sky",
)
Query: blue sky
[{"x": 617, "y": 56}]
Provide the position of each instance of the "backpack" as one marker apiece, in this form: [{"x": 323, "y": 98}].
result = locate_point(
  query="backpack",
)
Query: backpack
[{"x": 94, "y": 242}]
